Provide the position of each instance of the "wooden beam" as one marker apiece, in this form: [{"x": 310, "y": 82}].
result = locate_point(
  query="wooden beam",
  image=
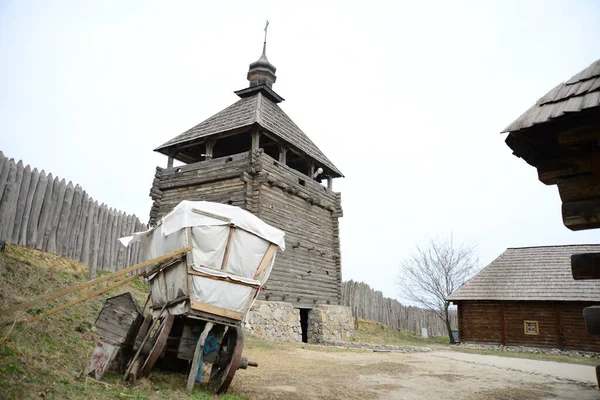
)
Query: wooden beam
[
  {"x": 210, "y": 146},
  {"x": 93, "y": 282},
  {"x": 211, "y": 215},
  {"x": 221, "y": 278},
  {"x": 329, "y": 182},
  {"x": 223, "y": 312},
  {"x": 580, "y": 137},
  {"x": 585, "y": 266},
  {"x": 89, "y": 296},
  {"x": 582, "y": 187},
  {"x": 579, "y": 215},
  {"x": 283, "y": 154},
  {"x": 550, "y": 172},
  {"x": 266, "y": 259},
  {"x": 170, "y": 161},
  {"x": 227, "y": 247},
  {"x": 255, "y": 135}
]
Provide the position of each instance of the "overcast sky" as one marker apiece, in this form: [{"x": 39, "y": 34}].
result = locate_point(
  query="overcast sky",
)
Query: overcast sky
[{"x": 406, "y": 98}]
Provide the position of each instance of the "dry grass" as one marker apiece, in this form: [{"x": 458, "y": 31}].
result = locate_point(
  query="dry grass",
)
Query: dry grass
[
  {"x": 315, "y": 373},
  {"x": 376, "y": 333},
  {"x": 41, "y": 359}
]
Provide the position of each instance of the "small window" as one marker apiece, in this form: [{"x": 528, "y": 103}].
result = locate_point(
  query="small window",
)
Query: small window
[
  {"x": 302, "y": 182},
  {"x": 531, "y": 327}
]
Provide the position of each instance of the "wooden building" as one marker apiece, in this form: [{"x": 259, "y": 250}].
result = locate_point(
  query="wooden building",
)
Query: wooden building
[
  {"x": 252, "y": 155},
  {"x": 527, "y": 297},
  {"x": 560, "y": 136}
]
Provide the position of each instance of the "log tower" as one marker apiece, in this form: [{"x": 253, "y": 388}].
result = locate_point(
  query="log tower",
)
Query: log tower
[{"x": 252, "y": 155}]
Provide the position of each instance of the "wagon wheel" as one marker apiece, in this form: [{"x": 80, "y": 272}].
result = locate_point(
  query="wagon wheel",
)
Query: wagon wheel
[
  {"x": 142, "y": 332},
  {"x": 160, "y": 340},
  {"x": 228, "y": 360}
]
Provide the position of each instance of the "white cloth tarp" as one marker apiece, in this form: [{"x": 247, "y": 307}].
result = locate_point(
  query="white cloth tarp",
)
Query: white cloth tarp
[
  {"x": 183, "y": 216},
  {"x": 210, "y": 225}
]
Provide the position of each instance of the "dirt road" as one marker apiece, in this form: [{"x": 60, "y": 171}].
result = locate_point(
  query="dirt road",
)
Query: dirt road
[{"x": 317, "y": 373}]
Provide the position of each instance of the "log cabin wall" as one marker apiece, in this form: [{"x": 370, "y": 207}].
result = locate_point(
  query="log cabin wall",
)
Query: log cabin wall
[
  {"x": 561, "y": 324},
  {"x": 308, "y": 273}
]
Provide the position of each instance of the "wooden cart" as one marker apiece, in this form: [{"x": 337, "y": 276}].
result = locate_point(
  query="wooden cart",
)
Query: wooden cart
[{"x": 200, "y": 298}]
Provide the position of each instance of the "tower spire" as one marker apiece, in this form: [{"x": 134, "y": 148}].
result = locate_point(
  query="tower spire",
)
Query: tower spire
[
  {"x": 265, "y": 42},
  {"x": 262, "y": 72}
]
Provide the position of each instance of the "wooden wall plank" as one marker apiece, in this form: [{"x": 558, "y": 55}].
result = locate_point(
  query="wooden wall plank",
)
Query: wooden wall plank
[
  {"x": 70, "y": 235},
  {"x": 8, "y": 203},
  {"x": 36, "y": 209},
  {"x": 103, "y": 234},
  {"x": 94, "y": 242},
  {"x": 15, "y": 205},
  {"x": 53, "y": 225},
  {"x": 21, "y": 203},
  {"x": 85, "y": 204},
  {"x": 88, "y": 233},
  {"x": 63, "y": 221},
  {"x": 47, "y": 211},
  {"x": 107, "y": 241},
  {"x": 5, "y": 165},
  {"x": 35, "y": 176}
]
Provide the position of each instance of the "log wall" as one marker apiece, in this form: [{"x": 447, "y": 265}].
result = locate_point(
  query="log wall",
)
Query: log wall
[
  {"x": 308, "y": 273},
  {"x": 561, "y": 324},
  {"x": 367, "y": 303},
  {"x": 46, "y": 213}
]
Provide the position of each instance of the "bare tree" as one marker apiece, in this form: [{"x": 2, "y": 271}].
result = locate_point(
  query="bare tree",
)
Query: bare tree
[{"x": 433, "y": 272}]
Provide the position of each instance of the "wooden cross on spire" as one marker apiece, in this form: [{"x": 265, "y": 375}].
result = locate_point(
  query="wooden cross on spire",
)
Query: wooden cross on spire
[{"x": 265, "y": 43}]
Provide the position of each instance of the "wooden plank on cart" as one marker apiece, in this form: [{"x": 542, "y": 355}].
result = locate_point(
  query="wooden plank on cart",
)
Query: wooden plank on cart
[{"x": 216, "y": 310}]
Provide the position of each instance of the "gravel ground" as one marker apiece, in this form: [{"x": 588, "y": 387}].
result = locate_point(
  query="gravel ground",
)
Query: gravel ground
[{"x": 315, "y": 372}]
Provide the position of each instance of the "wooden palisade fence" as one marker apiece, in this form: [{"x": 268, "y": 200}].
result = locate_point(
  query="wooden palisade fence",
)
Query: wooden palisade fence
[
  {"x": 43, "y": 212},
  {"x": 367, "y": 303}
]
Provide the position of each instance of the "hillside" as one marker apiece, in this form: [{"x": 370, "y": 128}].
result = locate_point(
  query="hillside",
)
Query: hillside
[{"x": 42, "y": 359}]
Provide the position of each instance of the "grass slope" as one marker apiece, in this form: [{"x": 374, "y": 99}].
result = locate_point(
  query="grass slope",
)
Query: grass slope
[
  {"x": 43, "y": 359},
  {"x": 376, "y": 333}
]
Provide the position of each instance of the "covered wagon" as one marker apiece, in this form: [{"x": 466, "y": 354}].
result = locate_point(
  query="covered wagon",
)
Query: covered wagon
[{"x": 218, "y": 257}]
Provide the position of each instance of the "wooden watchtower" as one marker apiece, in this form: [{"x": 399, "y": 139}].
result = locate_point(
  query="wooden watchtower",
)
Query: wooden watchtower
[{"x": 252, "y": 155}]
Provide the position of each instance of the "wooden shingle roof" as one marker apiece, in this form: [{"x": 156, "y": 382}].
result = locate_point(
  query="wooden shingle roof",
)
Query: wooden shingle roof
[
  {"x": 259, "y": 109},
  {"x": 579, "y": 93},
  {"x": 531, "y": 274}
]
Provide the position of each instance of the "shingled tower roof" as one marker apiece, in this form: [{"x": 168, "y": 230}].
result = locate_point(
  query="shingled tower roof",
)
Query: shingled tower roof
[
  {"x": 533, "y": 274},
  {"x": 258, "y": 106}
]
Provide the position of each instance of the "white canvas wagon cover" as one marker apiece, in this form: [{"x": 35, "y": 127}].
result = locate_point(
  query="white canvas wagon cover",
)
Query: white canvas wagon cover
[{"x": 232, "y": 255}]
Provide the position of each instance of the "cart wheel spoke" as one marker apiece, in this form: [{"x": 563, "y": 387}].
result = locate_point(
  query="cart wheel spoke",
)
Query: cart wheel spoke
[
  {"x": 228, "y": 360},
  {"x": 159, "y": 342}
]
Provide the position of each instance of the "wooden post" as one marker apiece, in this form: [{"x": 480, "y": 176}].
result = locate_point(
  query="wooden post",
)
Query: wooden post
[
  {"x": 329, "y": 182},
  {"x": 311, "y": 169},
  {"x": 196, "y": 360},
  {"x": 227, "y": 248},
  {"x": 210, "y": 146},
  {"x": 255, "y": 139},
  {"x": 170, "y": 161},
  {"x": 559, "y": 327},
  {"x": 283, "y": 154},
  {"x": 503, "y": 322}
]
